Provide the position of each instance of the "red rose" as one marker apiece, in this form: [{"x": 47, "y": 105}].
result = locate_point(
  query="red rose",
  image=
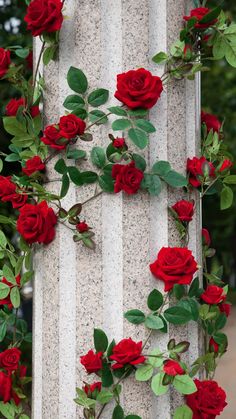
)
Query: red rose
[
  {"x": 7, "y": 299},
  {"x": 211, "y": 122},
  {"x": 52, "y": 137},
  {"x": 196, "y": 168},
  {"x": 225, "y": 308},
  {"x": 82, "y": 227},
  {"x": 173, "y": 368},
  {"x": 44, "y": 16},
  {"x": 184, "y": 209},
  {"x": 70, "y": 126},
  {"x": 127, "y": 178},
  {"x": 14, "y": 104},
  {"x": 5, "y": 387},
  {"x": 208, "y": 401},
  {"x": 174, "y": 265},
  {"x": 29, "y": 60},
  {"x": 119, "y": 143},
  {"x": 138, "y": 89},
  {"x": 127, "y": 352},
  {"x": 36, "y": 223},
  {"x": 9, "y": 359},
  {"x": 8, "y": 193},
  {"x": 5, "y": 61},
  {"x": 33, "y": 165},
  {"x": 206, "y": 239},
  {"x": 226, "y": 165},
  {"x": 199, "y": 13},
  {"x": 213, "y": 295},
  {"x": 89, "y": 389},
  {"x": 213, "y": 346},
  {"x": 92, "y": 362}
]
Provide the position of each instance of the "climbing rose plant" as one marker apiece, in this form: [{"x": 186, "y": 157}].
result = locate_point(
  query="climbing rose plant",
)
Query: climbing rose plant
[{"x": 119, "y": 167}]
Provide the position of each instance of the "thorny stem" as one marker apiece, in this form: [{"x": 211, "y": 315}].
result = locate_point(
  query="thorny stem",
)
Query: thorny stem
[{"x": 37, "y": 68}]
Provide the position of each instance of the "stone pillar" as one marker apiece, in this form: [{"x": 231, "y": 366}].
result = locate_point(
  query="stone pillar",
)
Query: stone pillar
[{"x": 77, "y": 289}]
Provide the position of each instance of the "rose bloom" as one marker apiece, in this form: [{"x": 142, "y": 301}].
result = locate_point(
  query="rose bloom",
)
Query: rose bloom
[
  {"x": 14, "y": 104},
  {"x": 92, "y": 362},
  {"x": 127, "y": 352},
  {"x": 211, "y": 122},
  {"x": 173, "y": 368},
  {"x": 9, "y": 359},
  {"x": 51, "y": 137},
  {"x": 174, "y": 265},
  {"x": 7, "y": 299},
  {"x": 184, "y": 209},
  {"x": 208, "y": 401},
  {"x": 206, "y": 239},
  {"x": 199, "y": 13},
  {"x": 213, "y": 346},
  {"x": 44, "y": 16},
  {"x": 138, "y": 89},
  {"x": 225, "y": 308},
  {"x": 119, "y": 143},
  {"x": 82, "y": 227},
  {"x": 5, "y": 61},
  {"x": 226, "y": 165},
  {"x": 127, "y": 178},
  {"x": 91, "y": 388},
  {"x": 195, "y": 168},
  {"x": 8, "y": 193},
  {"x": 33, "y": 165},
  {"x": 70, "y": 126},
  {"x": 213, "y": 295},
  {"x": 5, "y": 387},
  {"x": 36, "y": 223}
]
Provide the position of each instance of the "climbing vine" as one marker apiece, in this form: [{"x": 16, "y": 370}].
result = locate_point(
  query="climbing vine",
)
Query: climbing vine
[{"x": 118, "y": 167}]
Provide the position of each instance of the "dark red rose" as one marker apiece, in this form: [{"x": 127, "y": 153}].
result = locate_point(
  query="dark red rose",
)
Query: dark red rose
[
  {"x": 206, "y": 239},
  {"x": 70, "y": 126},
  {"x": 211, "y": 121},
  {"x": 5, "y": 186},
  {"x": 213, "y": 346},
  {"x": 36, "y": 223},
  {"x": 119, "y": 143},
  {"x": 199, "y": 13},
  {"x": 29, "y": 60},
  {"x": 8, "y": 193},
  {"x": 14, "y": 104},
  {"x": 174, "y": 265},
  {"x": 196, "y": 168},
  {"x": 93, "y": 388},
  {"x": 226, "y": 165},
  {"x": 173, "y": 368},
  {"x": 33, "y": 165},
  {"x": 138, "y": 89},
  {"x": 127, "y": 352},
  {"x": 44, "y": 16},
  {"x": 34, "y": 111},
  {"x": 92, "y": 361},
  {"x": 5, "y": 61},
  {"x": 127, "y": 178},
  {"x": 225, "y": 308},
  {"x": 5, "y": 387},
  {"x": 213, "y": 295},
  {"x": 82, "y": 227},
  {"x": 9, "y": 359},
  {"x": 7, "y": 299},
  {"x": 208, "y": 401},
  {"x": 184, "y": 209},
  {"x": 52, "y": 138}
]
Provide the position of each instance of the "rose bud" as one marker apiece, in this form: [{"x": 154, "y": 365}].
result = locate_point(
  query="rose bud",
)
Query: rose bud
[
  {"x": 211, "y": 122},
  {"x": 184, "y": 209},
  {"x": 226, "y": 165},
  {"x": 197, "y": 169},
  {"x": 82, "y": 227},
  {"x": 119, "y": 143},
  {"x": 5, "y": 61},
  {"x": 206, "y": 239},
  {"x": 173, "y": 368},
  {"x": 213, "y": 346},
  {"x": 93, "y": 389},
  {"x": 213, "y": 295},
  {"x": 225, "y": 308}
]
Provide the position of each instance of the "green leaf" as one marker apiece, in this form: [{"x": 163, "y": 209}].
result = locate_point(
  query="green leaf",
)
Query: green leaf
[
  {"x": 190, "y": 305},
  {"x": 118, "y": 413},
  {"x": 12, "y": 157},
  {"x": 7, "y": 410},
  {"x": 77, "y": 80},
  {"x": 175, "y": 179},
  {"x": 81, "y": 113},
  {"x": 75, "y": 175},
  {"x": 184, "y": 384},
  {"x": 213, "y": 14},
  {"x": 104, "y": 396},
  {"x": 144, "y": 373},
  {"x": 1, "y": 165},
  {"x": 138, "y": 137},
  {"x": 138, "y": 112},
  {"x": 75, "y": 154},
  {"x": 3, "y": 239},
  {"x": 145, "y": 125},
  {"x": 221, "y": 321},
  {"x": 106, "y": 183},
  {"x": 88, "y": 177},
  {"x": 22, "y": 53},
  {"x": 4, "y": 290},
  {"x": 177, "y": 315},
  {"x": 9, "y": 275},
  {"x": 154, "y": 322},
  {"x": 15, "y": 297},
  {"x": 98, "y": 97},
  {"x": 183, "y": 412},
  {"x": 226, "y": 198},
  {"x": 60, "y": 166},
  {"x": 14, "y": 127},
  {"x": 230, "y": 53},
  {"x": 159, "y": 58},
  {"x": 156, "y": 361},
  {"x": 73, "y": 102},
  {"x": 135, "y": 316},
  {"x": 107, "y": 377},
  {"x": 161, "y": 168},
  {"x": 157, "y": 386},
  {"x": 194, "y": 287},
  {"x": 65, "y": 185},
  {"x": 230, "y": 180},
  {"x": 26, "y": 277},
  {"x": 98, "y": 117},
  {"x": 133, "y": 417},
  {"x": 100, "y": 340},
  {"x": 117, "y": 110},
  {"x": 140, "y": 162},
  {"x": 98, "y": 157},
  {"x": 178, "y": 291},
  {"x": 120, "y": 124},
  {"x": 3, "y": 331},
  {"x": 155, "y": 300},
  {"x": 152, "y": 183},
  {"x": 49, "y": 54}
]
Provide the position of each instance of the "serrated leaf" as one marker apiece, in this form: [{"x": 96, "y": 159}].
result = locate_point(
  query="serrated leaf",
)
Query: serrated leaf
[
  {"x": 135, "y": 316},
  {"x": 154, "y": 322},
  {"x": 161, "y": 168},
  {"x": 159, "y": 58},
  {"x": 155, "y": 300},
  {"x": 98, "y": 97},
  {"x": 65, "y": 185},
  {"x": 100, "y": 340},
  {"x": 226, "y": 198},
  {"x": 77, "y": 80},
  {"x": 145, "y": 125},
  {"x": 117, "y": 110},
  {"x": 98, "y": 157},
  {"x": 144, "y": 373},
  {"x": 184, "y": 384},
  {"x": 15, "y": 297},
  {"x": 175, "y": 179},
  {"x": 183, "y": 412},
  {"x": 120, "y": 124},
  {"x": 9, "y": 275},
  {"x": 139, "y": 137},
  {"x": 177, "y": 315},
  {"x": 73, "y": 101},
  {"x": 154, "y": 360},
  {"x": 157, "y": 386}
]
